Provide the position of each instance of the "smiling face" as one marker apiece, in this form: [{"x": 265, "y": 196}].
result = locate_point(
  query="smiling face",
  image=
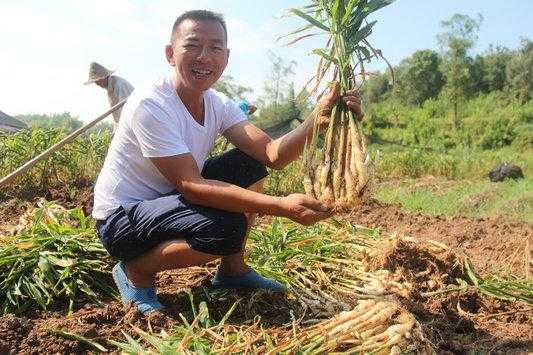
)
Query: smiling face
[{"x": 199, "y": 54}]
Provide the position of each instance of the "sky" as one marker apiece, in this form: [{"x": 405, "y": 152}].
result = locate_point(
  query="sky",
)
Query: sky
[{"x": 46, "y": 46}]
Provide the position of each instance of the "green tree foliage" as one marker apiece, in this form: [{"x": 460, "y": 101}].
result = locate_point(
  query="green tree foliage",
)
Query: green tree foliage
[
  {"x": 279, "y": 118},
  {"x": 279, "y": 108},
  {"x": 520, "y": 72},
  {"x": 63, "y": 121},
  {"x": 277, "y": 84},
  {"x": 226, "y": 85},
  {"x": 375, "y": 88},
  {"x": 459, "y": 36},
  {"x": 494, "y": 64},
  {"x": 419, "y": 77}
]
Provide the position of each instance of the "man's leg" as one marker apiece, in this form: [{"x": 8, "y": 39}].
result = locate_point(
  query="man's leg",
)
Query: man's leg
[
  {"x": 175, "y": 254},
  {"x": 135, "y": 279},
  {"x": 234, "y": 265},
  {"x": 172, "y": 254},
  {"x": 233, "y": 271}
]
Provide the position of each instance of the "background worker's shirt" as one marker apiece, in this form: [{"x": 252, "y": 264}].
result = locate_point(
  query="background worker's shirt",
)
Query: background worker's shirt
[
  {"x": 156, "y": 123},
  {"x": 117, "y": 89}
]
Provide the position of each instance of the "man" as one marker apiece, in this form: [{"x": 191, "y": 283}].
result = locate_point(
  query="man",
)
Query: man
[
  {"x": 160, "y": 205},
  {"x": 117, "y": 87}
]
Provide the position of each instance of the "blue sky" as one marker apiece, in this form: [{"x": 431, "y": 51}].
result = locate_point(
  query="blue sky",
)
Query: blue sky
[{"x": 46, "y": 46}]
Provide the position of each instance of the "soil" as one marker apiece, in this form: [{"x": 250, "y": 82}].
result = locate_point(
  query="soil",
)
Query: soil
[
  {"x": 463, "y": 322},
  {"x": 80, "y": 196},
  {"x": 455, "y": 322},
  {"x": 32, "y": 334},
  {"x": 492, "y": 245}
]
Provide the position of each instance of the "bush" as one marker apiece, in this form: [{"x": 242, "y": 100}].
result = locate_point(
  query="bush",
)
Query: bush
[
  {"x": 490, "y": 121},
  {"x": 423, "y": 130},
  {"x": 78, "y": 161},
  {"x": 495, "y": 133},
  {"x": 417, "y": 163}
]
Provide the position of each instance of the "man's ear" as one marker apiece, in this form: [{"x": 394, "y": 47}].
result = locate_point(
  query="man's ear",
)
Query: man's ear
[
  {"x": 227, "y": 57},
  {"x": 169, "y": 52}
]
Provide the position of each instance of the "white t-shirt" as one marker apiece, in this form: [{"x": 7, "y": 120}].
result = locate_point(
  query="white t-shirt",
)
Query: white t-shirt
[
  {"x": 156, "y": 123},
  {"x": 117, "y": 89}
]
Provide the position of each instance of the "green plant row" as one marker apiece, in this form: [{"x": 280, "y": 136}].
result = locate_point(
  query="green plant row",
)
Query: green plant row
[
  {"x": 77, "y": 161},
  {"x": 56, "y": 258}
]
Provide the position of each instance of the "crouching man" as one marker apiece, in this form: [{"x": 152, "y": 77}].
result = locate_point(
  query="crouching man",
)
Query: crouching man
[{"x": 159, "y": 204}]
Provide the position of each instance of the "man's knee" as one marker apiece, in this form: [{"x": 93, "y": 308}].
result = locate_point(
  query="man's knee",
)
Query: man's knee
[
  {"x": 224, "y": 237},
  {"x": 236, "y": 225},
  {"x": 257, "y": 186}
]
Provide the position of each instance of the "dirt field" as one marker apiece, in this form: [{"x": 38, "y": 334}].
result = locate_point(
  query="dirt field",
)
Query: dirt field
[
  {"x": 455, "y": 322},
  {"x": 491, "y": 244}
]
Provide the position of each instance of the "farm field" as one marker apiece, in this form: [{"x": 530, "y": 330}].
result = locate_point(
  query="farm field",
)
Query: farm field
[
  {"x": 425, "y": 165},
  {"x": 440, "y": 249},
  {"x": 413, "y": 261}
]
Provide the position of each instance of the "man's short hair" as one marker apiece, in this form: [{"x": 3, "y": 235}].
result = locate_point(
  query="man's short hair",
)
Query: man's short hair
[{"x": 199, "y": 15}]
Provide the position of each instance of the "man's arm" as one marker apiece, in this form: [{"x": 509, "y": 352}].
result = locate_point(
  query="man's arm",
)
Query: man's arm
[
  {"x": 274, "y": 153},
  {"x": 182, "y": 171},
  {"x": 277, "y": 153}
]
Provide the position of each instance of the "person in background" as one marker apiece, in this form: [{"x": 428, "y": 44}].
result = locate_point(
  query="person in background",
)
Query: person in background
[
  {"x": 117, "y": 88},
  {"x": 246, "y": 107}
]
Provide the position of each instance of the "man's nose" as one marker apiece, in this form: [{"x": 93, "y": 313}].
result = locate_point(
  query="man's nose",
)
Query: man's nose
[{"x": 204, "y": 53}]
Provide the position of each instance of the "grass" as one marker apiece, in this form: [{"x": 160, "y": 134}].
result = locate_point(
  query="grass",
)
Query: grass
[
  {"x": 397, "y": 161},
  {"x": 286, "y": 181},
  {"x": 55, "y": 258},
  {"x": 458, "y": 184},
  {"x": 473, "y": 198},
  {"x": 78, "y": 161}
]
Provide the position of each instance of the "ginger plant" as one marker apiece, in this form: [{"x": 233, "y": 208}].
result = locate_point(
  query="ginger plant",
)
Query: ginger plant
[{"x": 337, "y": 165}]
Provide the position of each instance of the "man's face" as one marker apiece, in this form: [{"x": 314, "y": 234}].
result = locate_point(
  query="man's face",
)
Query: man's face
[{"x": 199, "y": 53}]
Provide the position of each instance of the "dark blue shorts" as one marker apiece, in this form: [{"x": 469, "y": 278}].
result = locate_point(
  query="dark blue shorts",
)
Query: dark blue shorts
[{"x": 135, "y": 228}]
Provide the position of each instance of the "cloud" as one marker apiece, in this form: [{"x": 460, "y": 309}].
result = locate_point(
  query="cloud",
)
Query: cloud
[{"x": 45, "y": 57}]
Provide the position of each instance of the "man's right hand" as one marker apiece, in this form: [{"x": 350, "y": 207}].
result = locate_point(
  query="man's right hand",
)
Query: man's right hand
[{"x": 304, "y": 209}]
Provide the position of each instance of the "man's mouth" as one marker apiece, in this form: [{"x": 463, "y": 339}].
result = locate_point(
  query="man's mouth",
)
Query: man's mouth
[{"x": 201, "y": 73}]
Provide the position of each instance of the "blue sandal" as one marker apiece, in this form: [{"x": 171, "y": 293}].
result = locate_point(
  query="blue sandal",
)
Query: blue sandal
[
  {"x": 251, "y": 280},
  {"x": 144, "y": 298}
]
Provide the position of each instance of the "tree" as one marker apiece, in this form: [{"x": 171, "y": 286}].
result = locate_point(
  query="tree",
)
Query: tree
[
  {"x": 419, "y": 77},
  {"x": 519, "y": 72},
  {"x": 458, "y": 38},
  {"x": 495, "y": 64},
  {"x": 488, "y": 70},
  {"x": 277, "y": 119},
  {"x": 277, "y": 82},
  {"x": 228, "y": 87},
  {"x": 375, "y": 88}
]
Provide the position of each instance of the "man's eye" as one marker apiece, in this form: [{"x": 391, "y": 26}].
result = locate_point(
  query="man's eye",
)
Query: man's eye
[
  {"x": 191, "y": 45},
  {"x": 217, "y": 49}
]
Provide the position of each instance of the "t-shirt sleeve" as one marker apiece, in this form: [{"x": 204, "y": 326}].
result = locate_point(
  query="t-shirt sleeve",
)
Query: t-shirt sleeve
[
  {"x": 231, "y": 113},
  {"x": 156, "y": 134}
]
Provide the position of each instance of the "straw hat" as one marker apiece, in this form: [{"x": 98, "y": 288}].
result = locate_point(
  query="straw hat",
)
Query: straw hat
[{"x": 97, "y": 72}]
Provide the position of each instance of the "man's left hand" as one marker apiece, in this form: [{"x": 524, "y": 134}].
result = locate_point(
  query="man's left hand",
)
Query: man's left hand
[{"x": 326, "y": 103}]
